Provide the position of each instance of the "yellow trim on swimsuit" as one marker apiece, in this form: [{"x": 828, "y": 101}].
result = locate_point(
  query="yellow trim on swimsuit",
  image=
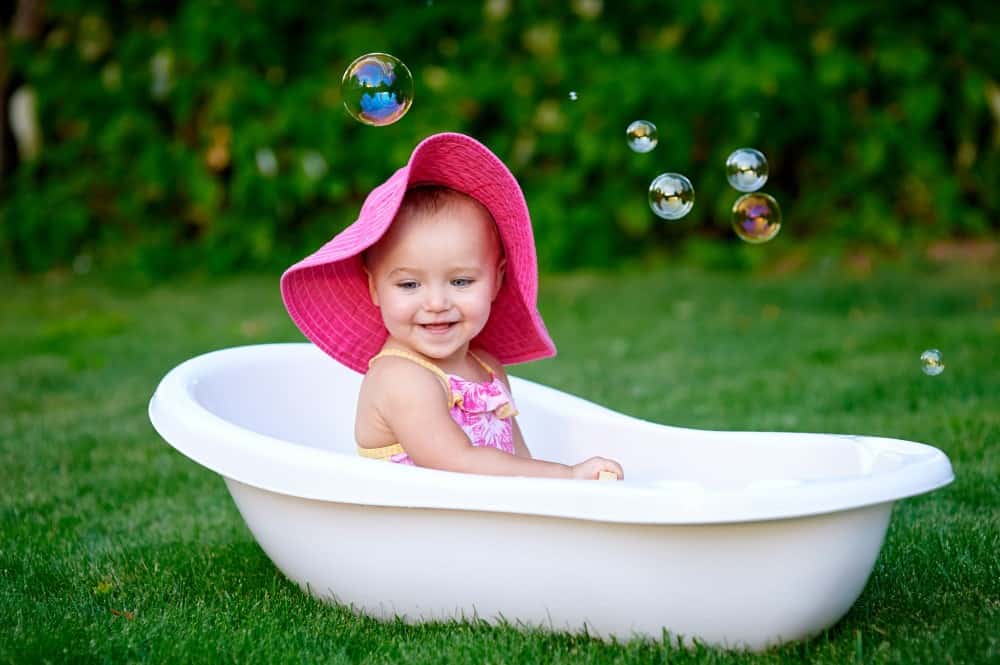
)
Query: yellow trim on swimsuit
[{"x": 382, "y": 452}]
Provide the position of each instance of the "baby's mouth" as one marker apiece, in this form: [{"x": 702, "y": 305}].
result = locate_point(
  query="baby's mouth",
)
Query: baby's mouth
[{"x": 437, "y": 327}]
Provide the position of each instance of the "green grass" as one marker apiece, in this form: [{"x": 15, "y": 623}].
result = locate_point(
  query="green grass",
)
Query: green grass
[{"x": 113, "y": 547}]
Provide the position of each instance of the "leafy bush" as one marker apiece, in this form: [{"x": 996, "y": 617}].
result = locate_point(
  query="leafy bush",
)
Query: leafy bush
[{"x": 183, "y": 135}]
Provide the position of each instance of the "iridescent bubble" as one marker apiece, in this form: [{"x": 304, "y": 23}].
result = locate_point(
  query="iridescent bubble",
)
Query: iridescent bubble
[
  {"x": 756, "y": 217},
  {"x": 573, "y": 96},
  {"x": 671, "y": 195},
  {"x": 377, "y": 89},
  {"x": 641, "y": 136},
  {"x": 746, "y": 169},
  {"x": 931, "y": 362}
]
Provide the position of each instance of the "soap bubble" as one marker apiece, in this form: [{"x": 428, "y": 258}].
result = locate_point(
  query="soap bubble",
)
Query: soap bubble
[
  {"x": 641, "y": 136},
  {"x": 756, "y": 217},
  {"x": 671, "y": 195},
  {"x": 931, "y": 362},
  {"x": 573, "y": 96},
  {"x": 746, "y": 169},
  {"x": 377, "y": 89}
]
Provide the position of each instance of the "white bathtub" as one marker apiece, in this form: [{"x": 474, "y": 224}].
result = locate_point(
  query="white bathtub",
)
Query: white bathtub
[{"x": 737, "y": 539}]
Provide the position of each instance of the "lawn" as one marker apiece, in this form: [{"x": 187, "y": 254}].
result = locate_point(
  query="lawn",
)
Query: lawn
[{"x": 114, "y": 548}]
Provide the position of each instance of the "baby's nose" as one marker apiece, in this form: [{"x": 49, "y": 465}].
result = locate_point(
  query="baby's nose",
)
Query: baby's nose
[{"x": 437, "y": 299}]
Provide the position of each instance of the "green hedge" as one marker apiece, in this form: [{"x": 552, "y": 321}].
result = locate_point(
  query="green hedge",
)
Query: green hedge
[{"x": 880, "y": 122}]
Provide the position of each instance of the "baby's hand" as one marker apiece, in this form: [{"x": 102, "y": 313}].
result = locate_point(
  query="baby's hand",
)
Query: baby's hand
[{"x": 589, "y": 469}]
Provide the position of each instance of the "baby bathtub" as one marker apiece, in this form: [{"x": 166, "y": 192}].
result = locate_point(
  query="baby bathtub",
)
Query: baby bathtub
[{"x": 736, "y": 539}]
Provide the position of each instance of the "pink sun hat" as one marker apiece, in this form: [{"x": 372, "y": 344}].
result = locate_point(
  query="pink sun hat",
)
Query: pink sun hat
[{"x": 326, "y": 293}]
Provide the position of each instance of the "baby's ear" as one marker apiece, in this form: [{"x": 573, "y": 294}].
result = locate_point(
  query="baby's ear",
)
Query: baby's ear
[
  {"x": 371, "y": 287},
  {"x": 501, "y": 267}
]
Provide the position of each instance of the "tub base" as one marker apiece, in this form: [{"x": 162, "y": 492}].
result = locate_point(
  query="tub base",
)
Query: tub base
[{"x": 748, "y": 586}]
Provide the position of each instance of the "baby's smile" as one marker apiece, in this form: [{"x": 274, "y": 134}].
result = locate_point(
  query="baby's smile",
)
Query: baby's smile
[{"x": 437, "y": 328}]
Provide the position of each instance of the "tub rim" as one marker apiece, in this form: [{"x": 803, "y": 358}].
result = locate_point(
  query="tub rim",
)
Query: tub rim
[{"x": 265, "y": 462}]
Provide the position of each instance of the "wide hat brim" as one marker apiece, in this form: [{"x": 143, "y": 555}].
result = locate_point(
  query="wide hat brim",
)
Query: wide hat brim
[{"x": 326, "y": 293}]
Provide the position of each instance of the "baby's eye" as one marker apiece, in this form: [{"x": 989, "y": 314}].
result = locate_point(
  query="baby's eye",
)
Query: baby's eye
[
  {"x": 408, "y": 285},
  {"x": 461, "y": 281}
]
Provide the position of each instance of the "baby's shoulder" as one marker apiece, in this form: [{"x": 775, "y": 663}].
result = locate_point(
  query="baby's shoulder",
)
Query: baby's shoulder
[{"x": 392, "y": 379}]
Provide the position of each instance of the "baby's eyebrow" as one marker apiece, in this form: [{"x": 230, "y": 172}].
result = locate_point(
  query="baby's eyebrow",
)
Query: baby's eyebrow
[{"x": 459, "y": 269}]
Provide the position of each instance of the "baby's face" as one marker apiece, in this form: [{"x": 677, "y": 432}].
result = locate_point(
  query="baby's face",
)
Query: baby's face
[{"x": 434, "y": 277}]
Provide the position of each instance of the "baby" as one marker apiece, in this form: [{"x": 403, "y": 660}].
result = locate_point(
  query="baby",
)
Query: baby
[{"x": 429, "y": 293}]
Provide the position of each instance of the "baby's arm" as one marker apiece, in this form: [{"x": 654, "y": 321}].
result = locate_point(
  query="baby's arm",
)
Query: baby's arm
[
  {"x": 520, "y": 447},
  {"x": 414, "y": 407},
  {"x": 588, "y": 469}
]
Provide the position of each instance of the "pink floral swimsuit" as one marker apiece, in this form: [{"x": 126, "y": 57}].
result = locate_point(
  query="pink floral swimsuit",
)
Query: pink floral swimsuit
[{"x": 484, "y": 411}]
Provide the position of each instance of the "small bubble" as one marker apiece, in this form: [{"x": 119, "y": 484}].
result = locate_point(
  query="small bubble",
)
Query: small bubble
[
  {"x": 641, "y": 136},
  {"x": 931, "y": 362},
  {"x": 162, "y": 68},
  {"x": 267, "y": 163},
  {"x": 573, "y": 96},
  {"x": 746, "y": 169},
  {"x": 314, "y": 165},
  {"x": 671, "y": 195},
  {"x": 377, "y": 89},
  {"x": 756, "y": 217}
]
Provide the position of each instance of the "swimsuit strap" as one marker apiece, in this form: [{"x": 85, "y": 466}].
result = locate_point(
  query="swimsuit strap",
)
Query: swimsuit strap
[
  {"x": 423, "y": 363},
  {"x": 485, "y": 366}
]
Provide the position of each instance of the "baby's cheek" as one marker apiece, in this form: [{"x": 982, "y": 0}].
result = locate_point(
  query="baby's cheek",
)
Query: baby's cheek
[
  {"x": 393, "y": 309},
  {"x": 486, "y": 303}
]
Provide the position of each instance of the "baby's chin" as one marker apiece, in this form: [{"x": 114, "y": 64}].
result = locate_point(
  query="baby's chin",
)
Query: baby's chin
[{"x": 426, "y": 344}]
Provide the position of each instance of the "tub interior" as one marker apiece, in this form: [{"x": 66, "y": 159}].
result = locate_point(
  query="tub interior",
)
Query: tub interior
[{"x": 309, "y": 399}]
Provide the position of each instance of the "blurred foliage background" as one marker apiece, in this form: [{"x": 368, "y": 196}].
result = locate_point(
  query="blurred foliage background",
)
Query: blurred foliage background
[{"x": 162, "y": 137}]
